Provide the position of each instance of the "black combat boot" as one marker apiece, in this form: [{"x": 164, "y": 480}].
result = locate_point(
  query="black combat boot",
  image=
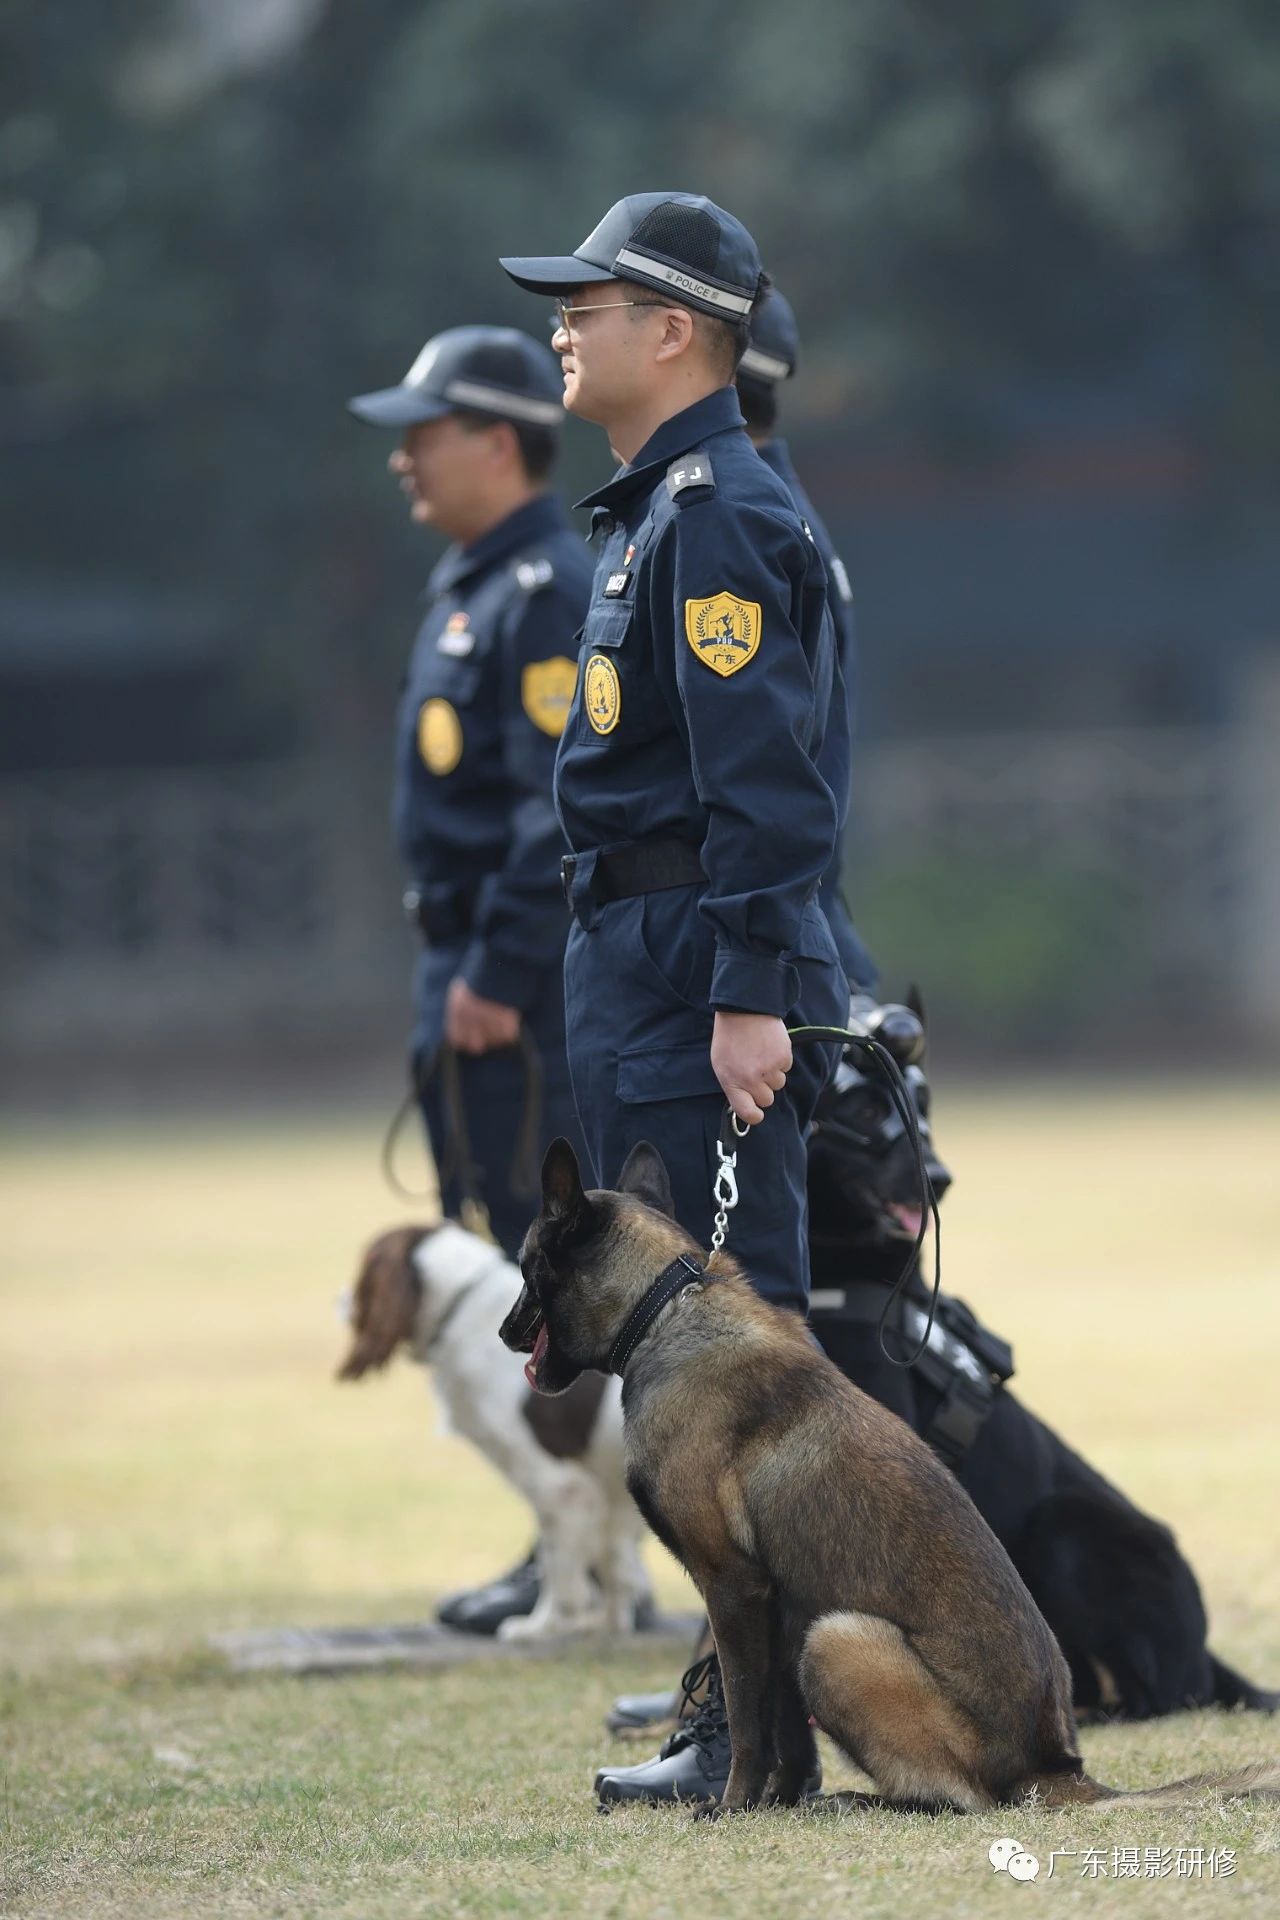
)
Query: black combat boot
[
  {"x": 693, "y": 1763},
  {"x": 483, "y": 1609}
]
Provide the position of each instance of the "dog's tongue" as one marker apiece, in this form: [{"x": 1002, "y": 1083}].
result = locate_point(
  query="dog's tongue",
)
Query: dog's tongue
[
  {"x": 539, "y": 1348},
  {"x": 908, "y": 1218}
]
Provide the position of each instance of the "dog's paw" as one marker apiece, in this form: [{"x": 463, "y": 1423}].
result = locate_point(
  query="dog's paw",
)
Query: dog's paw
[
  {"x": 717, "y": 1810},
  {"x": 551, "y": 1626},
  {"x": 527, "y": 1626}
]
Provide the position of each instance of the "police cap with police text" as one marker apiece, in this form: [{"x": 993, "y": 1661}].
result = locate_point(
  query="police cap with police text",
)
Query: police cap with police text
[
  {"x": 682, "y": 244},
  {"x": 495, "y": 370},
  {"x": 775, "y": 343}
]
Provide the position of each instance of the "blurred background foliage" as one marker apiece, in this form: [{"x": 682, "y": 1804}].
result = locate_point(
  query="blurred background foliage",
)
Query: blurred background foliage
[{"x": 1007, "y": 227}]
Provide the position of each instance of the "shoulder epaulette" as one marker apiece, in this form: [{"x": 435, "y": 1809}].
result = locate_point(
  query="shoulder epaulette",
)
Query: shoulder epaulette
[
  {"x": 690, "y": 470},
  {"x": 532, "y": 574}
]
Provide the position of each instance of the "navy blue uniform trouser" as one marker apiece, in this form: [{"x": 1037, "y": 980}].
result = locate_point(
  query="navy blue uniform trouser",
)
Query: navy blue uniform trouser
[
  {"x": 493, "y": 1098},
  {"x": 637, "y": 986}
]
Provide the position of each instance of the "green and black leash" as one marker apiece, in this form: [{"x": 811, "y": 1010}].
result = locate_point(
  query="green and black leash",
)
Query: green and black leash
[{"x": 878, "y": 1055}]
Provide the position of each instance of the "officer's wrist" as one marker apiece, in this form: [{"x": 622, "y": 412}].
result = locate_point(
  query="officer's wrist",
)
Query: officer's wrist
[{"x": 510, "y": 979}]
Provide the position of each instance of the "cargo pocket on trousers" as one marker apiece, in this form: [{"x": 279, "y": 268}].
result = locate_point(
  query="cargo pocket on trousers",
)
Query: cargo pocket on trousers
[{"x": 649, "y": 1074}]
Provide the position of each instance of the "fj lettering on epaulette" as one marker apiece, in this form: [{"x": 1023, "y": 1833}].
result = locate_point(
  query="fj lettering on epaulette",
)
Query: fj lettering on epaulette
[
  {"x": 532, "y": 574},
  {"x": 690, "y": 470}
]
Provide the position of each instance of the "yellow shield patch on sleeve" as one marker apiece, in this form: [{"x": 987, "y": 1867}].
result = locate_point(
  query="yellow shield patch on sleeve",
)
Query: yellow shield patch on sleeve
[
  {"x": 723, "y": 631},
  {"x": 439, "y": 736},
  {"x": 546, "y": 692}
]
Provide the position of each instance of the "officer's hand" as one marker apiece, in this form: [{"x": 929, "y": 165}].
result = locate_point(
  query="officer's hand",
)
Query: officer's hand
[
  {"x": 475, "y": 1025},
  {"x": 751, "y": 1057}
]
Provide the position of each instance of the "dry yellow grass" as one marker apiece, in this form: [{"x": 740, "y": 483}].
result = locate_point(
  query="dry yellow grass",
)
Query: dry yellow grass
[{"x": 176, "y": 1458}]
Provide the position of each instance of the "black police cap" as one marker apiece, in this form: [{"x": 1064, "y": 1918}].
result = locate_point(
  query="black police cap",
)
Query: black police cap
[
  {"x": 682, "y": 244},
  {"x": 495, "y": 370},
  {"x": 775, "y": 342}
]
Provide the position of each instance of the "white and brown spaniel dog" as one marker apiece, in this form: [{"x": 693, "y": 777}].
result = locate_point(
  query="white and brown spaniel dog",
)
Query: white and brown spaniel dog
[{"x": 442, "y": 1292}]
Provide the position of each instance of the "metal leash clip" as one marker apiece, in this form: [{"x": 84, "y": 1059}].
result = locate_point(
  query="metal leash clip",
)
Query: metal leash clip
[{"x": 724, "y": 1188}]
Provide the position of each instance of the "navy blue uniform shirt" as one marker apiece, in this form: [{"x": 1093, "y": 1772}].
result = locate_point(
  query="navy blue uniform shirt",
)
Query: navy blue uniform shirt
[
  {"x": 708, "y": 674},
  {"x": 488, "y": 689},
  {"x": 775, "y": 453}
]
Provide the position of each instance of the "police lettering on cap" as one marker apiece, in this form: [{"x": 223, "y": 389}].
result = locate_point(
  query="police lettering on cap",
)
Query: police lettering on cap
[
  {"x": 680, "y": 244},
  {"x": 775, "y": 342},
  {"x": 495, "y": 370}
]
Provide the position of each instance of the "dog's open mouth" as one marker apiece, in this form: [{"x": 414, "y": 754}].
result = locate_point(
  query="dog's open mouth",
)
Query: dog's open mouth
[
  {"x": 525, "y": 1331},
  {"x": 535, "y": 1360},
  {"x": 905, "y": 1220}
]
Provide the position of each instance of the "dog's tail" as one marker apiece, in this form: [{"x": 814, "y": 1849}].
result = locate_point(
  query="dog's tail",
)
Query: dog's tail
[
  {"x": 1231, "y": 1689},
  {"x": 1260, "y": 1780}
]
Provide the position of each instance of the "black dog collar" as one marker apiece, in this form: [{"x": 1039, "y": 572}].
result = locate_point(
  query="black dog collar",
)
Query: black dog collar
[{"x": 683, "y": 1272}]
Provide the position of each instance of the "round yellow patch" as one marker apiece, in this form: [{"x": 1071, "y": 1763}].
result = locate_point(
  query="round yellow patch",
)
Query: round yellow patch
[
  {"x": 439, "y": 736},
  {"x": 546, "y": 692},
  {"x": 602, "y": 694}
]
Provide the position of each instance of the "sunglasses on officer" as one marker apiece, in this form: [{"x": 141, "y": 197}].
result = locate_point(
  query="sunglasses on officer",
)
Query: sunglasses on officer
[{"x": 560, "y": 318}]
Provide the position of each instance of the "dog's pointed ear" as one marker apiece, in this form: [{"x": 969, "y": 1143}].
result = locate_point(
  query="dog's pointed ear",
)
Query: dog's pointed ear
[
  {"x": 562, "y": 1193},
  {"x": 645, "y": 1175},
  {"x": 915, "y": 1002}
]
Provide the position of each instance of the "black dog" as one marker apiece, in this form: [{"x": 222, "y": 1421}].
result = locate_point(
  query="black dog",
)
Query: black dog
[{"x": 1121, "y": 1599}]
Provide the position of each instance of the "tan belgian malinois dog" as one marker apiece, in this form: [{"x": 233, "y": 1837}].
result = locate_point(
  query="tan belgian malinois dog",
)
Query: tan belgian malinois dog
[{"x": 846, "y": 1573}]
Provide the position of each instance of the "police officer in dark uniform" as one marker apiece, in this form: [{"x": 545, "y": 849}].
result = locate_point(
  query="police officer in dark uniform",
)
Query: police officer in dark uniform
[
  {"x": 695, "y": 1761},
  {"x": 704, "y": 770},
  {"x": 688, "y": 779},
  {"x": 485, "y": 700}
]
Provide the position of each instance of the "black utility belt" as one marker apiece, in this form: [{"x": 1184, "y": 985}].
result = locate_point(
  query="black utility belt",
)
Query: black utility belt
[
  {"x": 637, "y": 866},
  {"x": 440, "y": 918}
]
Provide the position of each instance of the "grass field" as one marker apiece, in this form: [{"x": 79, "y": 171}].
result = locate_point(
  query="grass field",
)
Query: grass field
[{"x": 176, "y": 1459}]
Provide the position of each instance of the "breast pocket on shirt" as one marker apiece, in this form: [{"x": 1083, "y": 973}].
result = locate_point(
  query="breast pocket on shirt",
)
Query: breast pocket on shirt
[{"x": 619, "y": 697}]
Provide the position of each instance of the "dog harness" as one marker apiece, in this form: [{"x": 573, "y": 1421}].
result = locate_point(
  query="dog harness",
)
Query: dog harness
[{"x": 963, "y": 1361}]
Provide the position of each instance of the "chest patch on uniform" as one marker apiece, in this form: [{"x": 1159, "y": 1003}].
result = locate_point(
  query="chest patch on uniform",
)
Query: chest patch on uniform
[
  {"x": 546, "y": 691},
  {"x": 723, "y": 631},
  {"x": 602, "y": 694},
  {"x": 616, "y": 584},
  {"x": 439, "y": 736},
  {"x": 457, "y": 638}
]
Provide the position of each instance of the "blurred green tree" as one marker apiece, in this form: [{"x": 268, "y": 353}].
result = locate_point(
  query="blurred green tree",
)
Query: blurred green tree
[{"x": 211, "y": 233}]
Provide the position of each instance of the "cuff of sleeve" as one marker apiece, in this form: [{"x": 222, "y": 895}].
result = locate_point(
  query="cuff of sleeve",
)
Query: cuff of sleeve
[
  {"x": 503, "y": 977},
  {"x": 752, "y": 983}
]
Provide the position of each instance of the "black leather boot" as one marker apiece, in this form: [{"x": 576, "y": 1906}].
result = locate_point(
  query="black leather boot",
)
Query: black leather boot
[
  {"x": 483, "y": 1609},
  {"x": 632, "y": 1711},
  {"x": 693, "y": 1763}
]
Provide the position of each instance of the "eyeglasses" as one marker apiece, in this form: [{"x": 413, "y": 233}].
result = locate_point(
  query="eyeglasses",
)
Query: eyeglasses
[{"x": 559, "y": 321}]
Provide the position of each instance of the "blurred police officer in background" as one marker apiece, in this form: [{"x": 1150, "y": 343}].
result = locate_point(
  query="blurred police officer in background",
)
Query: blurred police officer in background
[
  {"x": 704, "y": 772},
  {"x": 770, "y": 359},
  {"x": 485, "y": 700}
]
